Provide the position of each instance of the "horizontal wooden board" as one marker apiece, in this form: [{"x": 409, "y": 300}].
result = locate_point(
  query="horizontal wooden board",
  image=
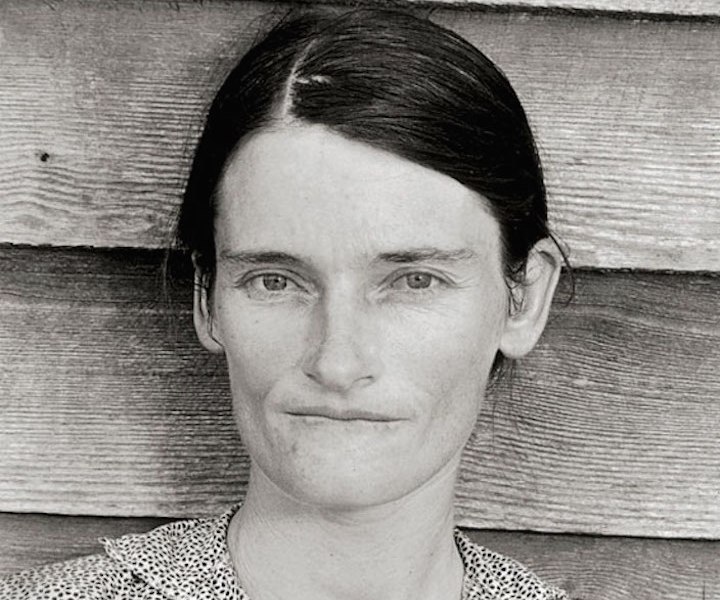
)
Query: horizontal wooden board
[
  {"x": 100, "y": 105},
  {"x": 668, "y": 8},
  {"x": 31, "y": 540},
  {"x": 615, "y": 568},
  {"x": 111, "y": 408},
  {"x": 587, "y": 567}
]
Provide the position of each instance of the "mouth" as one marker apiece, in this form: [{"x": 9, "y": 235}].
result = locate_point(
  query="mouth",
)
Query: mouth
[{"x": 348, "y": 415}]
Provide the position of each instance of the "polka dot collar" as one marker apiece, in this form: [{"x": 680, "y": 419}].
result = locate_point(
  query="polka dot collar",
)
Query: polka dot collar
[
  {"x": 183, "y": 560},
  {"x": 190, "y": 560}
]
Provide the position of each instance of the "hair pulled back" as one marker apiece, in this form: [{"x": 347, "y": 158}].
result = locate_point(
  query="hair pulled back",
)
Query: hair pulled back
[
  {"x": 394, "y": 81},
  {"x": 391, "y": 80}
]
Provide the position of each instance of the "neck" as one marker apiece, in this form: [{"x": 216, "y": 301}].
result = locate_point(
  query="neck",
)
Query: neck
[{"x": 282, "y": 548}]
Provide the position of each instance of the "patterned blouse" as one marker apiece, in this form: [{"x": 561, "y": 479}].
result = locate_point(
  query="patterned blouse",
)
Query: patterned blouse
[{"x": 189, "y": 560}]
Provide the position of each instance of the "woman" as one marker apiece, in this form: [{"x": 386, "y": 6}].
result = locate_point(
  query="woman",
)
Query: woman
[{"x": 366, "y": 217}]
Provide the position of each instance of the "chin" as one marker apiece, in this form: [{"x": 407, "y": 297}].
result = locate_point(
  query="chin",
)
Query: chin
[
  {"x": 340, "y": 488},
  {"x": 349, "y": 493},
  {"x": 343, "y": 486}
]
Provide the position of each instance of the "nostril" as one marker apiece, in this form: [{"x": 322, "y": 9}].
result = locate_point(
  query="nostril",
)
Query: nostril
[
  {"x": 341, "y": 353},
  {"x": 336, "y": 365},
  {"x": 310, "y": 375}
]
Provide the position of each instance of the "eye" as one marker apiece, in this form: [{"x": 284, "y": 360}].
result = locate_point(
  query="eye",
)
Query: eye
[
  {"x": 417, "y": 280},
  {"x": 274, "y": 282},
  {"x": 270, "y": 285}
]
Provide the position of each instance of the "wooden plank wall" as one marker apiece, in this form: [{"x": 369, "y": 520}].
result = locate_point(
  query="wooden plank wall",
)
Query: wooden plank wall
[
  {"x": 624, "y": 8},
  {"x": 598, "y": 465}
]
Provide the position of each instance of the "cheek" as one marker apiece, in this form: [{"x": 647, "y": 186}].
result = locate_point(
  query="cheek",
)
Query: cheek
[
  {"x": 447, "y": 355},
  {"x": 261, "y": 346}
]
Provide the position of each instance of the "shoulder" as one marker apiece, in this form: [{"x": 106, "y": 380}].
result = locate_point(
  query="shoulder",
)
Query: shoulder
[
  {"x": 492, "y": 576},
  {"x": 183, "y": 559},
  {"x": 96, "y": 576}
]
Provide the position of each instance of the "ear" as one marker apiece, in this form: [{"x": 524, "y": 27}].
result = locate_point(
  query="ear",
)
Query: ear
[
  {"x": 533, "y": 297},
  {"x": 202, "y": 313}
]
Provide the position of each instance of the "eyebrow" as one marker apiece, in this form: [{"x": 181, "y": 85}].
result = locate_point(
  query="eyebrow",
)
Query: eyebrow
[
  {"x": 260, "y": 258},
  {"x": 416, "y": 255},
  {"x": 409, "y": 256}
]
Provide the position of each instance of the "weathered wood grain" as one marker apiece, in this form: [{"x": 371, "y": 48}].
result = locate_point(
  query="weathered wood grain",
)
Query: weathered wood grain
[
  {"x": 109, "y": 406},
  {"x": 100, "y": 104},
  {"x": 669, "y": 8},
  {"x": 589, "y": 568},
  {"x": 615, "y": 568},
  {"x": 32, "y": 540},
  {"x": 616, "y": 408}
]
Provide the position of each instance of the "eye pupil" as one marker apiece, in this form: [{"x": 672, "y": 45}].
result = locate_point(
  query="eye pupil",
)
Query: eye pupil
[
  {"x": 419, "y": 280},
  {"x": 274, "y": 283}
]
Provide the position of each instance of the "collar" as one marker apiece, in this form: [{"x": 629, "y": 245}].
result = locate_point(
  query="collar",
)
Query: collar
[
  {"x": 189, "y": 560},
  {"x": 184, "y": 560}
]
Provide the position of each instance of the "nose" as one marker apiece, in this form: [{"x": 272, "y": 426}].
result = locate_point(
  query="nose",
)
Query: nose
[{"x": 342, "y": 351}]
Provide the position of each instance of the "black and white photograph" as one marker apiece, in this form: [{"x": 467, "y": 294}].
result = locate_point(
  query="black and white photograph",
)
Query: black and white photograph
[{"x": 360, "y": 300}]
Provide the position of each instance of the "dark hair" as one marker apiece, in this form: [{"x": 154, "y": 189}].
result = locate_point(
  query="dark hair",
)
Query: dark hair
[{"x": 394, "y": 81}]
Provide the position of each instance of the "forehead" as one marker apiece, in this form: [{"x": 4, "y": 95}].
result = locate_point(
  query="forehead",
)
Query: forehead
[{"x": 304, "y": 188}]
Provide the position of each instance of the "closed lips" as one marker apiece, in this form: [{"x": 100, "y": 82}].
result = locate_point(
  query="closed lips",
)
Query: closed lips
[{"x": 341, "y": 415}]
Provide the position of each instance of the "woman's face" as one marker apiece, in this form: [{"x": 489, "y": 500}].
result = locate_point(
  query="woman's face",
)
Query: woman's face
[{"x": 359, "y": 300}]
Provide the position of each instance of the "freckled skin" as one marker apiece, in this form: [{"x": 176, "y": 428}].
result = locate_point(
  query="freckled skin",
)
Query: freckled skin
[{"x": 348, "y": 331}]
